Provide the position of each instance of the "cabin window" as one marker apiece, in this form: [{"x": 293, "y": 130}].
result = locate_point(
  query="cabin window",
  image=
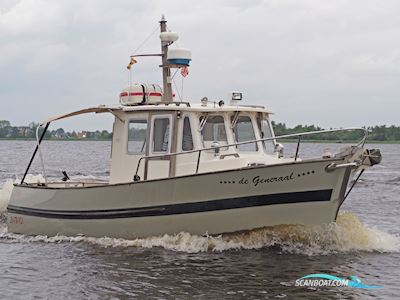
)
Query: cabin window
[
  {"x": 137, "y": 134},
  {"x": 161, "y": 135},
  {"x": 266, "y": 132},
  {"x": 243, "y": 131},
  {"x": 213, "y": 131},
  {"x": 187, "y": 139}
]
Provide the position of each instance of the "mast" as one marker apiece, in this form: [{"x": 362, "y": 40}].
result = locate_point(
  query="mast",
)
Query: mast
[{"x": 167, "y": 86}]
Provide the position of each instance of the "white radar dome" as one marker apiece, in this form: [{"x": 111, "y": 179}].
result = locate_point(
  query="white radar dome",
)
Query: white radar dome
[
  {"x": 169, "y": 36},
  {"x": 179, "y": 56}
]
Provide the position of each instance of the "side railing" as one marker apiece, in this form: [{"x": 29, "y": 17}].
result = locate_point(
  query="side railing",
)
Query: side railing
[{"x": 217, "y": 148}]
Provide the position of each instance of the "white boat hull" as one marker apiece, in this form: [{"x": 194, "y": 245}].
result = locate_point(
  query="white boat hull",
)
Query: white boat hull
[{"x": 211, "y": 203}]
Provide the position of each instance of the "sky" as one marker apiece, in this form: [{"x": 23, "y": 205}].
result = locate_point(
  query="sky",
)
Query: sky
[{"x": 328, "y": 63}]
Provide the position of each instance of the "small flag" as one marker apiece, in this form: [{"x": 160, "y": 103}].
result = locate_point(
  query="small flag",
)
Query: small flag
[
  {"x": 185, "y": 71},
  {"x": 132, "y": 62}
]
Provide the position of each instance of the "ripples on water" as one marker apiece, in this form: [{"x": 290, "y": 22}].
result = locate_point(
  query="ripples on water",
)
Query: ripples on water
[{"x": 262, "y": 263}]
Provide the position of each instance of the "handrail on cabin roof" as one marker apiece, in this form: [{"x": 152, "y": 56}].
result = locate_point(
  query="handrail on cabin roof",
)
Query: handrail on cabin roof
[{"x": 299, "y": 135}]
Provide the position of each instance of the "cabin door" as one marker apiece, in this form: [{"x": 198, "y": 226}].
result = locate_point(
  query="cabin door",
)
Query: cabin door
[{"x": 161, "y": 134}]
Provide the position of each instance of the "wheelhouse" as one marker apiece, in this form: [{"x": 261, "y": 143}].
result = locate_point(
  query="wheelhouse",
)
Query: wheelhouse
[{"x": 159, "y": 141}]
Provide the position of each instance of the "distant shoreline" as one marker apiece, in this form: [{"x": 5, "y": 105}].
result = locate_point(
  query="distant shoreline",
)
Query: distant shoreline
[
  {"x": 55, "y": 139},
  {"x": 282, "y": 141}
]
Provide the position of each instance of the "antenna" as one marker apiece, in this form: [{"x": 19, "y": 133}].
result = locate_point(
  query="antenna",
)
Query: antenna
[{"x": 166, "y": 71}]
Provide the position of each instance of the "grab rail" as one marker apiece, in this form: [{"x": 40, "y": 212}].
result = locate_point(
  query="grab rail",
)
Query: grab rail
[{"x": 298, "y": 135}]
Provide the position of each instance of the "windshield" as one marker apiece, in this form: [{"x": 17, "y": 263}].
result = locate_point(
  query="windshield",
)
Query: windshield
[
  {"x": 266, "y": 132},
  {"x": 213, "y": 131},
  {"x": 243, "y": 132}
]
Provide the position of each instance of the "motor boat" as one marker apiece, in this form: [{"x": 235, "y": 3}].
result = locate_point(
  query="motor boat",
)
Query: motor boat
[{"x": 205, "y": 168}]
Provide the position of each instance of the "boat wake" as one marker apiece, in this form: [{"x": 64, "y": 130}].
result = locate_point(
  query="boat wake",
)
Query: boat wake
[{"x": 348, "y": 234}]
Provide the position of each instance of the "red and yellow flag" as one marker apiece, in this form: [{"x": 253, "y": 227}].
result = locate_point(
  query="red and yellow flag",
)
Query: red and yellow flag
[{"x": 132, "y": 62}]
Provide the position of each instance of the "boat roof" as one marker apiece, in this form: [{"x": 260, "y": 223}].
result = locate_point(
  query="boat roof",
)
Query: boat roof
[
  {"x": 173, "y": 106},
  {"x": 185, "y": 106},
  {"x": 98, "y": 109}
]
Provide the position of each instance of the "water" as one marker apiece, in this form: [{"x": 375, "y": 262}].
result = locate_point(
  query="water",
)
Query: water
[{"x": 260, "y": 264}]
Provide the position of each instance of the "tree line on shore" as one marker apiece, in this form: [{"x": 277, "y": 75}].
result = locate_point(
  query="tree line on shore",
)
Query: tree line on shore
[
  {"x": 376, "y": 133},
  {"x": 7, "y": 131}
]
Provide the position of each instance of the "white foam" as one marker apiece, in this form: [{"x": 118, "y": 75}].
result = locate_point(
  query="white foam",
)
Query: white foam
[
  {"x": 5, "y": 192},
  {"x": 348, "y": 234}
]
